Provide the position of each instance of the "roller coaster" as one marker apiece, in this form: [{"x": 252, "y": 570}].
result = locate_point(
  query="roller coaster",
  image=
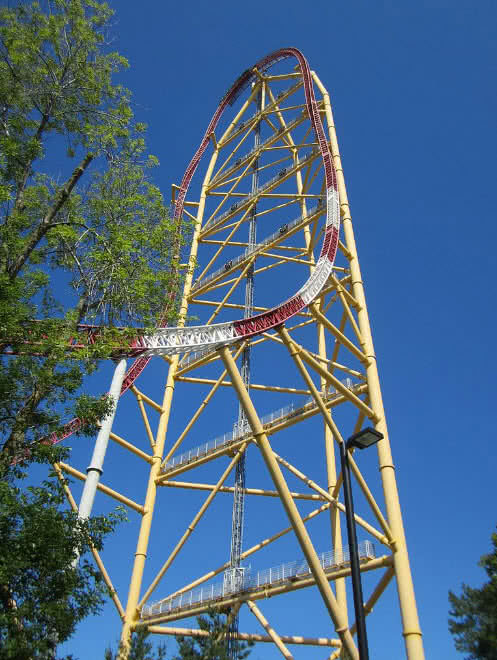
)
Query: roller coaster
[{"x": 274, "y": 170}]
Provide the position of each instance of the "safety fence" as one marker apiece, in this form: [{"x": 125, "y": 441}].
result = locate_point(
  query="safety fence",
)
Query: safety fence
[
  {"x": 270, "y": 576},
  {"x": 293, "y": 409}
]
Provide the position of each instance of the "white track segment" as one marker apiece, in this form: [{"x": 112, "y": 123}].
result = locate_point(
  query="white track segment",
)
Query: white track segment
[{"x": 168, "y": 341}]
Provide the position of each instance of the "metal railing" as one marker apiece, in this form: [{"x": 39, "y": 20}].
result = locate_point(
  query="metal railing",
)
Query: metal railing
[
  {"x": 285, "y": 412},
  {"x": 269, "y": 576}
]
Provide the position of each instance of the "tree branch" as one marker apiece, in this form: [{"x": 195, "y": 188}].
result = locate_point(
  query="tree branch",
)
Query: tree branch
[{"x": 47, "y": 221}]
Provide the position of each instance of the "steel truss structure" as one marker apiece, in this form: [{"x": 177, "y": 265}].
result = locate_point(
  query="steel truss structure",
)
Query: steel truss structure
[{"x": 271, "y": 222}]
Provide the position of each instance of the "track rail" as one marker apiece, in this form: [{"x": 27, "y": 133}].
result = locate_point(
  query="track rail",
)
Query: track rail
[{"x": 167, "y": 341}]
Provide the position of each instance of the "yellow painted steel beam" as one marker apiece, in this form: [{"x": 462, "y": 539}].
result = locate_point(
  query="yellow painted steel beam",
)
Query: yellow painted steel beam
[
  {"x": 283, "y": 76},
  {"x": 202, "y": 360},
  {"x": 293, "y": 260},
  {"x": 96, "y": 556},
  {"x": 212, "y": 303},
  {"x": 153, "y": 404},
  {"x": 242, "y": 244},
  {"x": 293, "y": 417},
  {"x": 296, "y": 353},
  {"x": 291, "y": 420},
  {"x": 270, "y": 631},
  {"x": 212, "y": 260},
  {"x": 130, "y": 447},
  {"x": 333, "y": 500},
  {"x": 345, "y": 341},
  {"x": 300, "y": 106},
  {"x": 338, "y": 385},
  {"x": 230, "y": 489},
  {"x": 226, "y": 195},
  {"x": 104, "y": 489},
  {"x": 226, "y": 139},
  {"x": 277, "y": 207},
  {"x": 247, "y": 637},
  {"x": 300, "y": 145},
  {"x": 247, "y": 174},
  {"x": 274, "y": 243},
  {"x": 228, "y": 134},
  {"x": 253, "y": 199},
  {"x": 225, "y": 450},
  {"x": 372, "y": 502},
  {"x": 144, "y": 415},
  {"x": 230, "y": 291},
  {"x": 338, "y": 345},
  {"x": 300, "y": 196},
  {"x": 255, "y": 386},
  {"x": 331, "y": 477},
  {"x": 348, "y": 311},
  {"x": 289, "y": 505}
]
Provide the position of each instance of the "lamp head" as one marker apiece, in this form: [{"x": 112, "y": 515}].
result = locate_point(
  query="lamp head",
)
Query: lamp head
[{"x": 364, "y": 438}]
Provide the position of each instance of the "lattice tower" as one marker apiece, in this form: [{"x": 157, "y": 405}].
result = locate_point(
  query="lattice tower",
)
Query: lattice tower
[{"x": 307, "y": 380}]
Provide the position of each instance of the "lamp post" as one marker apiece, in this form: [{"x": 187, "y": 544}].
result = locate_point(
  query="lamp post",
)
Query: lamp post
[{"x": 360, "y": 440}]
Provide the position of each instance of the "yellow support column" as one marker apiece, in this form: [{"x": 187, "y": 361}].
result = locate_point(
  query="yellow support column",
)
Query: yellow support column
[
  {"x": 132, "y": 615},
  {"x": 411, "y": 628}
]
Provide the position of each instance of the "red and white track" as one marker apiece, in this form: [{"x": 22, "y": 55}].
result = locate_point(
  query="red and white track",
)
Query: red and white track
[{"x": 167, "y": 341}]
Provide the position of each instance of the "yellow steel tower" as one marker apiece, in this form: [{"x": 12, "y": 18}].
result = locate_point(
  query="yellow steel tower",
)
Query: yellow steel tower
[{"x": 266, "y": 195}]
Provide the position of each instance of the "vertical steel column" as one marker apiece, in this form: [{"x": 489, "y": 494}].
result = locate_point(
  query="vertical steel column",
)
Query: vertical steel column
[
  {"x": 234, "y": 575},
  {"x": 405, "y": 588},
  {"x": 132, "y": 613}
]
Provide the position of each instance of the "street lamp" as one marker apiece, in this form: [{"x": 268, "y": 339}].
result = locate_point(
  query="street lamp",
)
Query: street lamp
[{"x": 361, "y": 440}]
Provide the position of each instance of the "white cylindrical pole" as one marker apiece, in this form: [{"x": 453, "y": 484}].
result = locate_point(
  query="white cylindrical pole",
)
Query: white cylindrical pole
[{"x": 95, "y": 468}]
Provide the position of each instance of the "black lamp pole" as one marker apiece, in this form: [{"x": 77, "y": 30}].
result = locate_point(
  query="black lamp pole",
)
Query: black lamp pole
[
  {"x": 361, "y": 440},
  {"x": 362, "y": 639}
]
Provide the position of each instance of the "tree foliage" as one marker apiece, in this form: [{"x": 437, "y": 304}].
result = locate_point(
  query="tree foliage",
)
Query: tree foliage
[
  {"x": 42, "y": 596},
  {"x": 85, "y": 237},
  {"x": 84, "y": 233},
  {"x": 140, "y": 649},
  {"x": 212, "y": 646},
  {"x": 474, "y": 613}
]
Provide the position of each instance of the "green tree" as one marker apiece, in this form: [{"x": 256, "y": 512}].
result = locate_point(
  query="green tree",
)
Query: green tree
[
  {"x": 140, "y": 649},
  {"x": 42, "y": 597},
  {"x": 212, "y": 646},
  {"x": 474, "y": 613},
  {"x": 85, "y": 237}
]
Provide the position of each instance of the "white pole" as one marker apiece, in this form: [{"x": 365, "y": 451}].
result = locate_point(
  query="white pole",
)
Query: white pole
[{"x": 94, "y": 470}]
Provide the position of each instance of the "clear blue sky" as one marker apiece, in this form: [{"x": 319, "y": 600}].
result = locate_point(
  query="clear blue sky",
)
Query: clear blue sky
[{"x": 413, "y": 90}]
